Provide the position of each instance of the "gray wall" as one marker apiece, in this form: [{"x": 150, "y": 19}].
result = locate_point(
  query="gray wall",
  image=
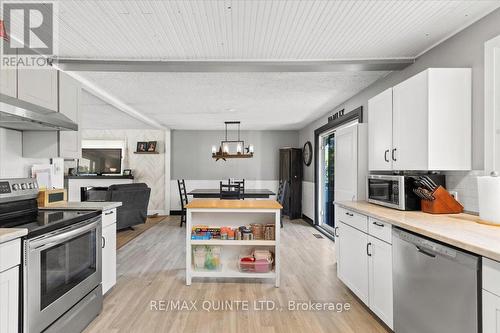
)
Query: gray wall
[
  {"x": 465, "y": 49},
  {"x": 192, "y": 157}
]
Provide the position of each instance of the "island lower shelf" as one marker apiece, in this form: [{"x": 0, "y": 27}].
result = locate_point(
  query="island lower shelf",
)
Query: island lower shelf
[{"x": 230, "y": 250}]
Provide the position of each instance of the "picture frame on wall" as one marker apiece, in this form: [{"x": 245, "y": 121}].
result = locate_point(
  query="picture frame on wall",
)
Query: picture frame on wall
[
  {"x": 142, "y": 146},
  {"x": 151, "y": 146}
]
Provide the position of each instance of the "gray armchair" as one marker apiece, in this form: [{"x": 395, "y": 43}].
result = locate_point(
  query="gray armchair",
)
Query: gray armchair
[{"x": 134, "y": 199}]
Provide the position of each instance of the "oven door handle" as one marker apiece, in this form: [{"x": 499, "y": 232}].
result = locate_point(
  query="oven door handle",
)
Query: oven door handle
[{"x": 49, "y": 242}]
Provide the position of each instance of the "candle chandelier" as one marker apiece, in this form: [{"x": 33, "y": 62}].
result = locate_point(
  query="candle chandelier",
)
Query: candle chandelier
[{"x": 224, "y": 150}]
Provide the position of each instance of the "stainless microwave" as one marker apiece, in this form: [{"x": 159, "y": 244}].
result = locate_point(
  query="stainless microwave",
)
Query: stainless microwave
[{"x": 396, "y": 191}]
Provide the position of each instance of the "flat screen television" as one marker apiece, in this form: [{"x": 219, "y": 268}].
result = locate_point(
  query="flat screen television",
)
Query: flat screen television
[{"x": 101, "y": 161}]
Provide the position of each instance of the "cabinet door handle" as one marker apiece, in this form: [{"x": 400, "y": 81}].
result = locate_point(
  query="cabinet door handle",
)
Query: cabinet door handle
[
  {"x": 368, "y": 249},
  {"x": 109, "y": 213},
  {"x": 394, "y": 154},
  {"x": 335, "y": 233},
  {"x": 349, "y": 214},
  {"x": 378, "y": 224},
  {"x": 103, "y": 243},
  {"x": 385, "y": 156}
]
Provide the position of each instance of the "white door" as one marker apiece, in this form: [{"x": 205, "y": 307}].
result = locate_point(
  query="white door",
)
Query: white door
[
  {"x": 353, "y": 260},
  {"x": 108, "y": 257},
  {"x": 346, "y": 163},
  {"x": 410, "y": 124},
  {"x": 491, "y": 313},
  {"x": 380, "y": 279},
  {"x": 9, "y": 298},
  {"x": 380, "y": 131},
  {"x": 39, "y": 87}
]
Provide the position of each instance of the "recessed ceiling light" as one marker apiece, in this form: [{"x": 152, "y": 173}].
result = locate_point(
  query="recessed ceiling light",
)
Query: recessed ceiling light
[{"x": 231, "y": 110}]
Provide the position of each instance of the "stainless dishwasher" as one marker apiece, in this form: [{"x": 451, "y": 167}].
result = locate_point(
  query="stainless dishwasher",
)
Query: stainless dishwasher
[{"x": 436, "y": 287}]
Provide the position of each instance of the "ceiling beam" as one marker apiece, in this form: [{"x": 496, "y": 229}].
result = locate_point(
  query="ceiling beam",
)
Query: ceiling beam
[{"x": 87, "y": 65}]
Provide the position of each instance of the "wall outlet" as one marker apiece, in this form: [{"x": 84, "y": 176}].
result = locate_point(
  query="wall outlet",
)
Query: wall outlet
[{"x": 454, "y": 194}]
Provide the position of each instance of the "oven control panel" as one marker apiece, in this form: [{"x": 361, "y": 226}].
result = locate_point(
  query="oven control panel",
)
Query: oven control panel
[{"x": 18, "y": 189}]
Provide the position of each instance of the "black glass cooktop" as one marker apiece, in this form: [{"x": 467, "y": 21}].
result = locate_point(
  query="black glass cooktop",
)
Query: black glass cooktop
[{"x": 45, "y": 221}]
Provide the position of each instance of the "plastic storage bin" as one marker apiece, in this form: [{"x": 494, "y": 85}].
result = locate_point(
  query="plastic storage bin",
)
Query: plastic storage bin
[{"x": 257, "y": 266}]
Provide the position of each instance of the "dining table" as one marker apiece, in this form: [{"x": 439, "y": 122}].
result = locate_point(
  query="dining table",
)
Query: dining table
[{"x": 214, "y": 193}]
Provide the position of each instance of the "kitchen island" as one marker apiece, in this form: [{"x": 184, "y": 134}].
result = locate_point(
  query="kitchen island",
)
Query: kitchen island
[{"x": 232, "y": 213}]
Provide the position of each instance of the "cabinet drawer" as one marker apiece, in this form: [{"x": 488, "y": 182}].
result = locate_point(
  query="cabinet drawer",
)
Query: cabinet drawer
[
  {"x": 10, "y": 254},
  {"x": 380, "y": 230},
  {"x": 108, "y": 217},
  {"x": 491, "y": 276},
  {"x": 353, "y": 219}
]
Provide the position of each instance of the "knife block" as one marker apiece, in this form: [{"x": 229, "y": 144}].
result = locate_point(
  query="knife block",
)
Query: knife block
[{"x": 444, "y": 203}]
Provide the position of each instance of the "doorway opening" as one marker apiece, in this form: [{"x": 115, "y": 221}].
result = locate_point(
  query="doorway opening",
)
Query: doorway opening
[{"x": 327, "y": 162}]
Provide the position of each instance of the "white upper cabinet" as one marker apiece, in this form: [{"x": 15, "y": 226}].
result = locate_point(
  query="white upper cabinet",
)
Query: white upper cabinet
[
  {"x": 431, "y": 122},
  {"x": 8, "y": 82},
  {"x": 380, "y": 131},
  {"x": 69, "y": 105},
  {"x": 38, "y": 86}
]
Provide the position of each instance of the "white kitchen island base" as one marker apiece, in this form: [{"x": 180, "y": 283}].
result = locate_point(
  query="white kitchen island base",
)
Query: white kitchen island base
[{"x": 233, "y": 213}]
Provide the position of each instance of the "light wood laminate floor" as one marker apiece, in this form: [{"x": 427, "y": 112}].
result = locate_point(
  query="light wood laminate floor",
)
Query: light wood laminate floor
[{"x": 151, "y": 267}]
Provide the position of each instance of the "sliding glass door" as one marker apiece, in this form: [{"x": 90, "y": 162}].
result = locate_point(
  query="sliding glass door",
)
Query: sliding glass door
[{"x": 327, "y": 181}]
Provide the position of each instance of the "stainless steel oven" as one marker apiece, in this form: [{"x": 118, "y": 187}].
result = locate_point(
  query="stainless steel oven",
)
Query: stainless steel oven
[{"x": 60, "y": 269}]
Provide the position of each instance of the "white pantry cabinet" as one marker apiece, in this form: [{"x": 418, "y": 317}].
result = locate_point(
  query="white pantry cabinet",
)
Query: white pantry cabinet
[
  {"x": 380, "y": 131},
  {"x": 108, "y": 249},
  {"x": 38, "y": 86},
  {"x": 364, "y": 260},
  {"x": 431, "y": 123},
  {"x": 353, "y": 261}
]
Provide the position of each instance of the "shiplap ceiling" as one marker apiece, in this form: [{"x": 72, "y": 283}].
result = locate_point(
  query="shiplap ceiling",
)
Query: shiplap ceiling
[
  {"x": 250, "y": 30},
  {"x": 259, "y": 29}
]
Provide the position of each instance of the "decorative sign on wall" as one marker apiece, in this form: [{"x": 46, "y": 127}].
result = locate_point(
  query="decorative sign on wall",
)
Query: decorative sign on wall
[{"x": 336, "y": 115}]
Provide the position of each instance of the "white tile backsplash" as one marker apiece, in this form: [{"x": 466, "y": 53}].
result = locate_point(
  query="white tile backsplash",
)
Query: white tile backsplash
[{"x": 465, "y": 183}]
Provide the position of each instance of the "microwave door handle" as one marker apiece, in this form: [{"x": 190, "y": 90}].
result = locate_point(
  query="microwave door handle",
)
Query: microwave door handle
[{"x": 62, "y": 237}]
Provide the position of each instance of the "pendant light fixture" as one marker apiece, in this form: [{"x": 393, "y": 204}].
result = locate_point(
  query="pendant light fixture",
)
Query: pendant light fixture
[{"x": 224, "y": 150}]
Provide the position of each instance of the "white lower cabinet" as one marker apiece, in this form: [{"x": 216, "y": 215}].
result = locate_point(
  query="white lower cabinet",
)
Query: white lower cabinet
[
  {"x": 353, "y": 261},
  {"x": 364, "y": 264},
  {"x": 108, "y": 257},
  {"x": 491, "y": 296},
  {"x": 9, "y": 300},
  {"x": 380, "y": 279}
]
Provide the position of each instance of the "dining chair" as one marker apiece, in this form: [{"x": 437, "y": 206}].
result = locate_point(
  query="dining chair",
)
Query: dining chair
[
  {"x": 230, "y": 191},
  {"x": 181, "y": 183},
  {"x": 241, "y": 183},
  {"x": 282, "y": 191}
]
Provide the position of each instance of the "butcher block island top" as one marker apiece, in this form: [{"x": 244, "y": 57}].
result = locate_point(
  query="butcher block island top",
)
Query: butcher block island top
[
  {"x": 464, "y": 231},
  {"x": 233, "y": 204}
]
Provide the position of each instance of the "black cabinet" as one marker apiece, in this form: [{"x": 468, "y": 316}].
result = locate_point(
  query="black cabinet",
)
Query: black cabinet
[{"x": 291, "y": 172}]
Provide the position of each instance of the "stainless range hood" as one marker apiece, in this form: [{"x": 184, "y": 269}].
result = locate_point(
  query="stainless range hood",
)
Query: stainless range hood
[{"x": 22, "y": 116}]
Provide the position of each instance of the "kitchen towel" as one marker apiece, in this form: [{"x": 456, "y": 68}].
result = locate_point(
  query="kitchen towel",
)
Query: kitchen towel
[{"x": 489, "y": 198}]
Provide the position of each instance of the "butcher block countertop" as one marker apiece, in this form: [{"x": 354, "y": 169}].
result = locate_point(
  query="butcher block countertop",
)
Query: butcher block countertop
[
  {"x": 233, "y": 204},
  {"x": 460, "y": 230},
  {"x": 8, "y": 234}
]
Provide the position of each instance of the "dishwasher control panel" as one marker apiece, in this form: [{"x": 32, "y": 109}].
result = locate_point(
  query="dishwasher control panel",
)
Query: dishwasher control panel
[{"x": 426, "y": 244}]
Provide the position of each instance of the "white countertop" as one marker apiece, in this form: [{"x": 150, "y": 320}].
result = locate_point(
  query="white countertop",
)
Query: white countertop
[
  {"x": 85, "y": 205},
  {"x": 7, "y": 234},
  {"x": 461, "y": 230}
]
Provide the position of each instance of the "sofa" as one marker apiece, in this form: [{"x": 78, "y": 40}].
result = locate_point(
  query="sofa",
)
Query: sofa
[{"x": 134, "y": 199}]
